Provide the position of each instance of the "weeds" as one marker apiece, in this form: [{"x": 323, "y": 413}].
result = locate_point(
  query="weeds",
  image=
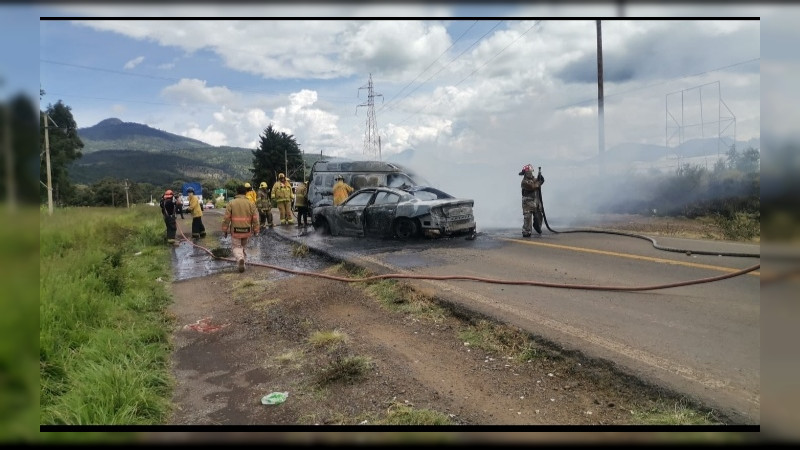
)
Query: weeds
[
  {"x": 299, "y": 250},
  {"x": 677, "y": 414},
  {"x": 103, "y": 331},
  {"x": 346, "y": 370},
  {"x": 405, "y": 414},
  {"x": 402, "y": 298},
  {"x": 741, "y": 226},
  {"x": 329, "y": 339},
  {"x": 500, "y": 339}
]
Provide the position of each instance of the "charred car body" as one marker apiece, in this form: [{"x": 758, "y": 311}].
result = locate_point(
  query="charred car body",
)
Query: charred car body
[
  {"x": 357, "y": 174},
  {"x": 393, "y": 212}
]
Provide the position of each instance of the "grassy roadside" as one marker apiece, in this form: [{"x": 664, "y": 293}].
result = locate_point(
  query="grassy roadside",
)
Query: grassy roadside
[
  {"x": 103, "y": 335},
  {"x": 19, "y": 383}
]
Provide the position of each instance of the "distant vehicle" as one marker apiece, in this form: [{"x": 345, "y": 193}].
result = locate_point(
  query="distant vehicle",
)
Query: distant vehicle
[
  {"x": 209, "y": 205},
  {"x": 198, "y": 192},
  {"x": 358, "y": 174},
  {"x": 401, "y": 213}
]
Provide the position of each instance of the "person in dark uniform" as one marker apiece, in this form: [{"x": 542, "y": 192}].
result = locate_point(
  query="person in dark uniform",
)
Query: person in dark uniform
[
  {"x": 168, "y": 210},
  {"x": 531, "y": 201}
]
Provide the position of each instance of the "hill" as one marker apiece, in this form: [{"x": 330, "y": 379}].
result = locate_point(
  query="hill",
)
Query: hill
[
  {"x": 114, "y": 134},
  {"x": 140, "y": 153}
]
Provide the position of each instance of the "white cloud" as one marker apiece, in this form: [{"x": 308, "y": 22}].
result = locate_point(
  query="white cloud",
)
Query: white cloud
[
  {"x": 208, "y": 135},
  {"x": 134, "y": 62},
  {"x": 195, "y": 91}
]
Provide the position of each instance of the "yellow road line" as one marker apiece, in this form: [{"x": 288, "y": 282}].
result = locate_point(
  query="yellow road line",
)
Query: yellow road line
[{"x": 629, "y": 256}]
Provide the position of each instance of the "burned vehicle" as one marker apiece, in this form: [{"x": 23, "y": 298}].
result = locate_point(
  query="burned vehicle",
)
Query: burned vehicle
[
  {"x": 357, "y": 174},
  {"x": 394, "y": 212}
]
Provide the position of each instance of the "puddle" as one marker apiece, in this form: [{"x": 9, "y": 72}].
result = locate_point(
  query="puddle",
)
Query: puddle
[{"x": 189, "y": 261}]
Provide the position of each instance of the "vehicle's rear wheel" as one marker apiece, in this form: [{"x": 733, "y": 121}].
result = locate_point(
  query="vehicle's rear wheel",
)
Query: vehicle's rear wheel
[{"x": 405, "y": 228}]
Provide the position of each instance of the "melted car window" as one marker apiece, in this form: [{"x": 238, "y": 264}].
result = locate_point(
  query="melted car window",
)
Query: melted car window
[
  {"x": 385, "y": 198},
  {"x": 398, "y": 180},
  {"x": 360, "y": 199}
]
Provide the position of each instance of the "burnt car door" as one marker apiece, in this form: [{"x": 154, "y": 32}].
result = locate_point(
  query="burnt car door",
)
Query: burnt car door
[
  {"x": 379, "y": 215},
  {"x": 349, "y": 216}
]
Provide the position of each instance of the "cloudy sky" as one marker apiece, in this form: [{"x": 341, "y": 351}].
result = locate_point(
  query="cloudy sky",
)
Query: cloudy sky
[
  {"x": 491, "y": 93},
  {"x": 459, "y": 90},
  {"x": 450, "y": 87}
]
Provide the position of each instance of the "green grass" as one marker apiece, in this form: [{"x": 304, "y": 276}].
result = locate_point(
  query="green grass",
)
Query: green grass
[
  {"x": 677, "y": 413},
  {"x": 403, "y": 414},
  {"x": 19, "y": 275},
  {"x": 329, "y": 339},
  {"x": 501, "y": 340},
  {"x": 402, "y": 298},
  {"x": 103, "y": 327}
]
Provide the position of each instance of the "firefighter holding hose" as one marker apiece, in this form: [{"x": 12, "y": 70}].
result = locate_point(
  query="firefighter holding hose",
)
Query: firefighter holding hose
[{"x": 531, "y": 200}]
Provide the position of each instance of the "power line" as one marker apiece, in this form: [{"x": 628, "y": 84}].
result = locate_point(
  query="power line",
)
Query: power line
[
  {"x": 172, "y": 79},
  {"x": 450, "y": 62},
  {"x": 661, "y": 82},
  {"x": 430, "y": 65},
  {"x": 478, "y": 69}
]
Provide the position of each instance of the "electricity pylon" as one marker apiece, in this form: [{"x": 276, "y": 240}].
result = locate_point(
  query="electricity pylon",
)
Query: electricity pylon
[{"x": 372, "y": 145}]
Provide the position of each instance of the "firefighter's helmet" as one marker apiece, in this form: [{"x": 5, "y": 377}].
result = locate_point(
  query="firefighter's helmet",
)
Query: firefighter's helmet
[
  {"x": 263, "y": 184},
  {"x": 247, "y": 185},
  {"x": 339, "y": 177},
  {"x": 281, "y": 176},
  {"x": 526, "y": 168},
  {"x": 190, "y": 190}
]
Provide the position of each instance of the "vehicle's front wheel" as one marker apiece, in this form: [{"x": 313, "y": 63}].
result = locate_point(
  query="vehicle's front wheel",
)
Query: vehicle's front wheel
[
  {"x": 405, "y": 228},
  {"x": 322, "y": 225}
]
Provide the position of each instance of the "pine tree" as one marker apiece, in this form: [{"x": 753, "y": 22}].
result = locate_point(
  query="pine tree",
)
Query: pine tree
[{"x": 278, "y": 152}]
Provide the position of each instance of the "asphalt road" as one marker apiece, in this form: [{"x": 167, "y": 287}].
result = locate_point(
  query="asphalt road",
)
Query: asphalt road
[{"x": 700, "y": 340}]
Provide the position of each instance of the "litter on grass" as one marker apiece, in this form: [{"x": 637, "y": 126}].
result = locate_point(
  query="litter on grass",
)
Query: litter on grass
[{"x": 274, "y": 398}]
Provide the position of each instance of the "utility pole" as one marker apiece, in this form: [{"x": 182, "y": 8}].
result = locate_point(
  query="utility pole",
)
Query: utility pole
[
  {"x": 47, "y": 160},
  {"x": 11, "y": 181},
  {"x": 127, "y": 198},
  {"x": 371, "y": 146},
  {"x": 600, "y": 119}
]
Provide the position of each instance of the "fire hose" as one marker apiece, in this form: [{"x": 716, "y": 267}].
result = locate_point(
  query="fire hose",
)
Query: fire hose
[{"x": 479, "y": 279}]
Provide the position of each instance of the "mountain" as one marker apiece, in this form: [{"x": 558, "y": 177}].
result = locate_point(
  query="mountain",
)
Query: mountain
[
  {"x": 139, "y": 153},
  {"x": 114, "y": 134}
]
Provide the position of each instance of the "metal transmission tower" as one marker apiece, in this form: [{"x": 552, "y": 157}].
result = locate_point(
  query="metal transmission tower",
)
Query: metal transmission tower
[
  {"x": 372, "y": 142},
  {"x": 685, "y": 118}
]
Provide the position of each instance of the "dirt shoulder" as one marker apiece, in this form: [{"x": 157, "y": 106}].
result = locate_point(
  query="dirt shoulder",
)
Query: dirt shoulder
[{"x": 259, "y": 334}]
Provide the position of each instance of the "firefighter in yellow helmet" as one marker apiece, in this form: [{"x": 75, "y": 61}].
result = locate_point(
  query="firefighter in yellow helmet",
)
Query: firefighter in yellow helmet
[
  {"x": 341, "y": 190},
  {"x": 251, "y": 194},
  {"x": 264, "y": 205},
  {"x": 283, "y": 196}
]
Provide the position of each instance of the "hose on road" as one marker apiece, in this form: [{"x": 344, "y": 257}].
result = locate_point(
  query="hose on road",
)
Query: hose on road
[
  {"x": 647, "y": 238},
  {"x": 481, "y": 279}
]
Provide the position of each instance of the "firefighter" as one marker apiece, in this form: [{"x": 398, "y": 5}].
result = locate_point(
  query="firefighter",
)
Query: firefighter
[
  {"x": 168, "y": 209},
  {"x": 251, "y": 194},
  {"x": 264, "y": 205},
  {"x": 531, "y": 200},
  {"x": 241, "y": 219},
  {"x": 283, "y": 196},
  {"x": 301, "y": 202},
  {"x": 341, "y": 190},
  {"x": 198, "y": 229}
]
